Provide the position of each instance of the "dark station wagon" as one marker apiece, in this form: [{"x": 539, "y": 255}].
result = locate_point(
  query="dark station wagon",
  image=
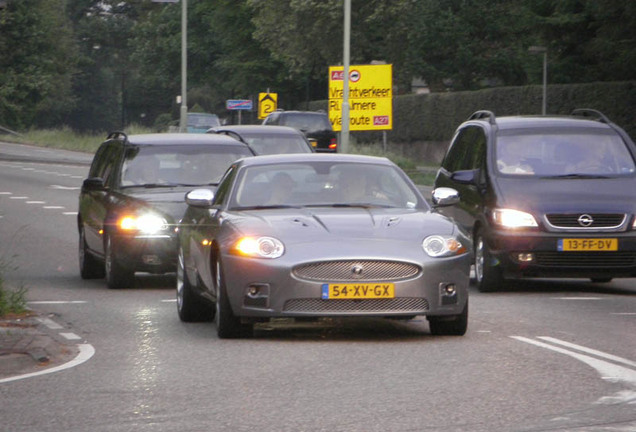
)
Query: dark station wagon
[{"x": 135, "y": 194}]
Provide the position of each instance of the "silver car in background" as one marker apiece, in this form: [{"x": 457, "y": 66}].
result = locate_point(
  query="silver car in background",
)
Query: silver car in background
[{"x": 319, "y": 235}]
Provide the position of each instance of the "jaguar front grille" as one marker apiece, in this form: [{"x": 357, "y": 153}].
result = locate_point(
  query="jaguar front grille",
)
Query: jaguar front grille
[{"x": 356, "y": 271}]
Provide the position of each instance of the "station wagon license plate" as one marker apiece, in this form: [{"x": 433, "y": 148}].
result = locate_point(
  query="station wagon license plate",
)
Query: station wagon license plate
[
  {"x": 349, "y": 291},
  {"x": 587, "y": 245}
]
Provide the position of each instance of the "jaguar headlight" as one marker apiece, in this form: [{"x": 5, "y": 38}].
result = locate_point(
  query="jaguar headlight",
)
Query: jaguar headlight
[
  {"x": 148, "y": 223},
  {"x": 512, "y": 219},
  {"x": 441, "y": 246},
  {"x": 259, "y": 247}
]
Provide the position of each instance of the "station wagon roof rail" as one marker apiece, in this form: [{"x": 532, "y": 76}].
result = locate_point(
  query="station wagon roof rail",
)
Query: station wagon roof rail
[
  {"x": 117, "y": 135},
  {"x": 591, "y": 114},
  {"x": 478, "y": 115}
]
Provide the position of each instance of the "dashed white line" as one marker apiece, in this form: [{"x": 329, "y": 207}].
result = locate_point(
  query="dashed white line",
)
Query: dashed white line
[
  {"x": 577, "y": 298},
  {"x": 53, "y": 302},
  {"x": 70, "y": 336},
  {"x": 36, "y": 202},
  {"x": 50, "y": 323}
]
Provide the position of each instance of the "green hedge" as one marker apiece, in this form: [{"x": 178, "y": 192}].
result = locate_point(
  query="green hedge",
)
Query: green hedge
[{"x": 426, "y": 118}]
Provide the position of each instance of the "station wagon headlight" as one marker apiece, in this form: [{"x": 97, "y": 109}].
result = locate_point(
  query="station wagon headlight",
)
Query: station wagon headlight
[
  {"x": 148, "y": 223},
  {"x": 509, "y": 218},
  {"x": 260, "y": 247},
  {"x": 440, "y": 246}
]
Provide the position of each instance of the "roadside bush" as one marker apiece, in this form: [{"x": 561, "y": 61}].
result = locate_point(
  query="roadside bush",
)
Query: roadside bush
[{"x": 12, "y": 301}]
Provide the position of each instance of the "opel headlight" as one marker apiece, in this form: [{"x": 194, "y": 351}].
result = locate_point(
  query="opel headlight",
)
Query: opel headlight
[
  {"x": 440, "y": 246},
  {"x": 148, "y": 223},
  {"x": 512, "y": 219},
  {"x": 259, "y": 247}
]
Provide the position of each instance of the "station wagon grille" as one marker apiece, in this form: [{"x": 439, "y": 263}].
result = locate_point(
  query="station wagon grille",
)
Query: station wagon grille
[
  {"x": 599, "y": 220},
  {"x": 586, "y": 259},
  {"x": 402, "y": 304},
  {"x": 362, "y": 270}
]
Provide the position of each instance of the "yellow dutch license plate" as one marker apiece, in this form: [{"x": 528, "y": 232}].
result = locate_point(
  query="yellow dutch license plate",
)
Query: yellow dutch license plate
[
  {"x": 587, "y": 245},
  {"x": 313, "y": 142},
  {"x": 349, "y": 291}
]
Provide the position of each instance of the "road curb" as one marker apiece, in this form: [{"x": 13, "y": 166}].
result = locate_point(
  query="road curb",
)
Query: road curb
[{"x": 28, "y": 345}]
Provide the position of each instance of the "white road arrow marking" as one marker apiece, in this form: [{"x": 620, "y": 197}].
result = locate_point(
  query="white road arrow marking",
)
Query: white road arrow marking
[{"x": 608, "y": 371}]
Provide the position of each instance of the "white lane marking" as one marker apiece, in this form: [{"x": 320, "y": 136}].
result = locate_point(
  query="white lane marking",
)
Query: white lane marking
[
  {"x": 6, "y": 193},
  {"x": 36, "y": 202},
  {"x": 50, "y": 323},
  {"x": 58, "y": 302},
  {"x": 86, "y": 352},
  {"x": 70, "y": 213},
  {"x": 588, "y": 350},
  {"x": 18, "y": 197},
  {"x": 49, "y": 207},
  {"x": 70, "y": 336},
  {"x": 169, "y": 301},
  {"x": 64, "y": 187},
  {"x": 608, "y": 371},
  {"x": 624, "y": 313},
  {"x": 577, "y": 298}
]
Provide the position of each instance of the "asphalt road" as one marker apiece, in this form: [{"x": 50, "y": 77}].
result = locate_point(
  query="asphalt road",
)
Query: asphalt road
[{"x": 550, "y": 355}]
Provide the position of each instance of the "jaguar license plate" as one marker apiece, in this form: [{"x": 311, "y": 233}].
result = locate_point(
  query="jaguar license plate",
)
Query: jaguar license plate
[
  {"x": 349, "y": 291},
  {"x": 587, "y": 245}
]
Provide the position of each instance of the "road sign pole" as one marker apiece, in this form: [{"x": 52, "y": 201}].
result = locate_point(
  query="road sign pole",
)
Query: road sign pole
[
  {"x": 183, "y": 119},
  {"x": 344, "y": 134}
]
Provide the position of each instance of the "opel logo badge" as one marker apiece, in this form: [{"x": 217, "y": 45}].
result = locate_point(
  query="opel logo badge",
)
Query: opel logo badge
[
  {"x": 585, "y": 220},
  {"x": 356, "y": 270}
]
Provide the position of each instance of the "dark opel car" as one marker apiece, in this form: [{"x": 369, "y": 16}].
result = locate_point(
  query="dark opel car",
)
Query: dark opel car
[
  {"x": 544, "y": 196},
  {"x": 134, "y": 196},
  {"x": 314, "y": 124}
]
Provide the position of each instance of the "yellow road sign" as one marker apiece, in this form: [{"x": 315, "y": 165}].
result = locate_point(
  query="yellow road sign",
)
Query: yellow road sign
[
  {"x": 267, "y": 103},
  {"x": 370, "y": 97}
]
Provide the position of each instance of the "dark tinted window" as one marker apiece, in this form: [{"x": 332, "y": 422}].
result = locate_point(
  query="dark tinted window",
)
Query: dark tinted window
[
  {"x": 105, "y": 161},
  {"x": 222, "y": 192},
  {"x": 307, "y": 122},
  {"x": 462, "y": 153},
  {"x": 263, "y": 143}
]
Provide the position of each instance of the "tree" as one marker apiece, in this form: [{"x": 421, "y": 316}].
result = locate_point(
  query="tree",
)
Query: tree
[{"x": 36, "y": 63}]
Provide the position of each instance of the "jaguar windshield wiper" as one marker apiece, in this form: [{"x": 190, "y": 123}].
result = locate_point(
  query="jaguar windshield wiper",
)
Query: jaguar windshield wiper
[
  {"x": 577, "y": 176},
  {"x": 267, "y": 207},
  {"x": 350, "y": 205}
]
